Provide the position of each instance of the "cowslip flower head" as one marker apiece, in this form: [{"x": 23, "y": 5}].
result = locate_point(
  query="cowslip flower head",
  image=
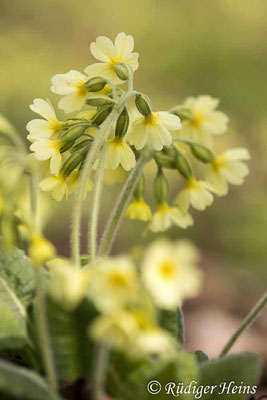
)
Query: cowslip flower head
[
  {"x": 72, "y": 86},
  {"x": 166, "y": 216},
  {"x": 228, "y": 168},
  {"x": 206, "y": 120},
  {"x": 153, "y": 129},
  {"x": 45, "y": 149},
  {"x": 114, "y": 284},
  {"x": 43, "y": 128},
  {"x": 110, "y": 54},
  {"x": 169, "y": 272},
  {"x": 197, "y": 193},
  {"x": 119, "y": 153},
  {"x": 139, "y": 209}
]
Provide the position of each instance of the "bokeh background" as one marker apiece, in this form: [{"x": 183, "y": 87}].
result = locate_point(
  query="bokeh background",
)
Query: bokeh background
[{"x": 186, "y": 48}]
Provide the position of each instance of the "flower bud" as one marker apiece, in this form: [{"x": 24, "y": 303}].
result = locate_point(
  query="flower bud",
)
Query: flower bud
[
  {"x": 83, "y": 145},
  {"x": 122, "y": 123},
  {"x": 143, "y": 104},
  {"x": 202, "y": 153},
  {"x": 161, "y": 187},
  {"x": 183, "y": 165},
  {"x": 71, "y": 163},
  {"x": 73, "y": 133},
  {"x": 182, "y": 112},
  {"x": 101, "y": 115},
  {"x": 41, "y": 250},
  {"x": 122, "y": 71},
  {"x": 165, "y": 161},
  {"x": 99, "y": 101},
  {"x": 67, "y": 146},
  {"x": 95, "y": 84}
]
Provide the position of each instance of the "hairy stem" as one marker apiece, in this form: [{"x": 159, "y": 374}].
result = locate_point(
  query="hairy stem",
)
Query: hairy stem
[
  {"x": 250, "y": 318},
  {"x": 100, "y": 372},
  {"x": 98, "y": 186},
  {"x": 43, "y": 333},
  {"x": 118, "y": 211},
  {"x": 83, "y": 181}
]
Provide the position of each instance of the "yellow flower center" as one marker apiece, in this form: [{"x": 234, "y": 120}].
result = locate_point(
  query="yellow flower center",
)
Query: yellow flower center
[
  {"x": 151, "y": 119},
  {"x": 198, "y": 118},
  {"x": 218, "y": 162},
  {"x": 114, "y": 61},
  {"x": 192, "y": 183},
  {"x": 118, "y": 280},
  {"x": 163, "y": 207},
  {"x": 168, "y": 269}
]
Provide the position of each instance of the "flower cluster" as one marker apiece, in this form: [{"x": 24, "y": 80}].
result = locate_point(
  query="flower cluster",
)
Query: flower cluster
[
  {"x": 63, "y": 145},
  {"x": 130, "y": 301}
]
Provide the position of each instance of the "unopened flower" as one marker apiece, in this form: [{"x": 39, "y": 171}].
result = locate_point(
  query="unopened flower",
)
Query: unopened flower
[
  {"x": 138, "y": 209},
  {"x": 43, "y": 128},
  {"x": 228, "y": 168},
  {"x": 153, "y": 129},
  {"x": 110, "y": 55},
  {"x": 206, "y": 120},
  {"x": 169, "y": 272},
  {"x": 119, "y": 153},
  {"x": 72, "y": 86},
  {"x": 166, "y": 216},
  {"x": 40, "y": 249},
  {"x": 45, "y": 149},
  {"x": 197, "y": 193}
]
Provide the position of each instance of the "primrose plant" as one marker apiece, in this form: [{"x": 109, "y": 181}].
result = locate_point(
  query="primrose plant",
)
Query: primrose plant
[{"x": 99, "y": 326}]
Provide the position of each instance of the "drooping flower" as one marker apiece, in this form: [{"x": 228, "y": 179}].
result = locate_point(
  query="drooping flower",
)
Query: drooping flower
[
  {"x": 228, "y": 168},
  {"x": 153, "y": 129},
  {"x": 72, "y": 86},
  {"x": 57, "y": 185},
  {"x": 206, "y": 120},
  {"x": 110, "y": 54},
  {"x": 40, "y": 249},
  {"x": 197, "y": 193},
  {"x": 138, "y": 209},
  {"x": 119, "y": 153},
  {"x": 166, "y": 216},
  {"x": 45, "y": 149},
  {"x": 169, "y": 272},
  {"x": 43, "y": 128},
  {"x": 113, "y": 176}
]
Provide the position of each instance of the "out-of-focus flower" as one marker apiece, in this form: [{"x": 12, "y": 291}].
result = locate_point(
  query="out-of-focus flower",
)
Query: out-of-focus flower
[
  {"x": 72, "y": 86},
  {"x": 40, "y": 249},
  {"x": 113, "y": 176},
  {"x": 119, "y": 153},
  {"x": 169, "y": 272},
  {"x": 43, "y": 128},
  {"x": 57, "y": 185},
  {"x": 138, "y": 209},
  {"x": 153, "y": 129},
  {"x": 166, "y": 216},
  {"x": 114, "y": 283},
  {"x": 110, "y": 55},
  {"x": 196, "y": 193},
  {"x": 228, "y": 168},
  {"x": 5, "y": 126},
  {"x": 206, "y": 120}
]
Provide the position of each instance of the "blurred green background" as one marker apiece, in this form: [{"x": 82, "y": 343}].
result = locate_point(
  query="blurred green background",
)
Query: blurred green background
[{"x": 186, "y": 47}]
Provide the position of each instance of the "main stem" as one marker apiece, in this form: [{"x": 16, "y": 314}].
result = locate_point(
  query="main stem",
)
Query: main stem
[
  {"x": 100, "y": 372},
  {"x": 43, "y": 333},
  {"x": 120, "y": 207},
  {"x": 98, "y": 186},
  {"x": 250, "y": 318},
  {"x": 83, "y": 180}
]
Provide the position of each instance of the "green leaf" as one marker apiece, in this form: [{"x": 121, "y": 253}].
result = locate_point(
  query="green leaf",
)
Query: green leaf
[
  {"x": 173, "y": 321},
  {"x": 13, "y": 332},
  {"x": 244, "y": 367},
  {"x": 21, "y": 383},
  {"x": 201, "y": 356}
]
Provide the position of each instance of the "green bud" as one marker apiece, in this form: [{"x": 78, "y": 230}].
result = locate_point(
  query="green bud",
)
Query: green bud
[
  {"x": 67, "y": 146},
  {"x": 140, "y": 188},
  {"x": 122, "y": 123},
  {"x": 73, "y": 133},
  {"x": 95, "y": 84},
  {"x": 82, "y": 145},
  {"x": 101, "y": 115},
  {"x": 143, "y": 104},
  {"x": 202, "y": 153},
  {"x": 99, "y": 101},
  {"x": 122, "y": 71},
  {"x": 71, "y": 163},
  {"x": 165, "y": 161},
  {"x": 183, "y": 166},
  {"x": 161, "y": 187},
  {"x": 182, "y": 112}
]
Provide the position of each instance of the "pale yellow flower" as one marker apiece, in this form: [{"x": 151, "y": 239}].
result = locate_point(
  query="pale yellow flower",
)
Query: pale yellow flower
[
  {"x": 45, "y": 149},
  {"x": 40, "y": 249},
  {"x": 113, "y": 176},
  {"x": 169, "y": 272},
  {"x": 138, "y": 209},
  {"x": 154, "y": 130},
  {"x": 119, "y": 153},
  {"x": 114, "y": 284},
  {"x": 57, "y": 185},
  {"x": 196, "y": 193},
  {"x": 72, "y": 182},
  {"x": 110, "y": 54},
  {"x": 228, "y": 168},
  {"x": 206, "y": 120},
  {"x": 72, "y": 86},
  {"x": 43, "y": 128},
  {"x": 166, "y": 216}
]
